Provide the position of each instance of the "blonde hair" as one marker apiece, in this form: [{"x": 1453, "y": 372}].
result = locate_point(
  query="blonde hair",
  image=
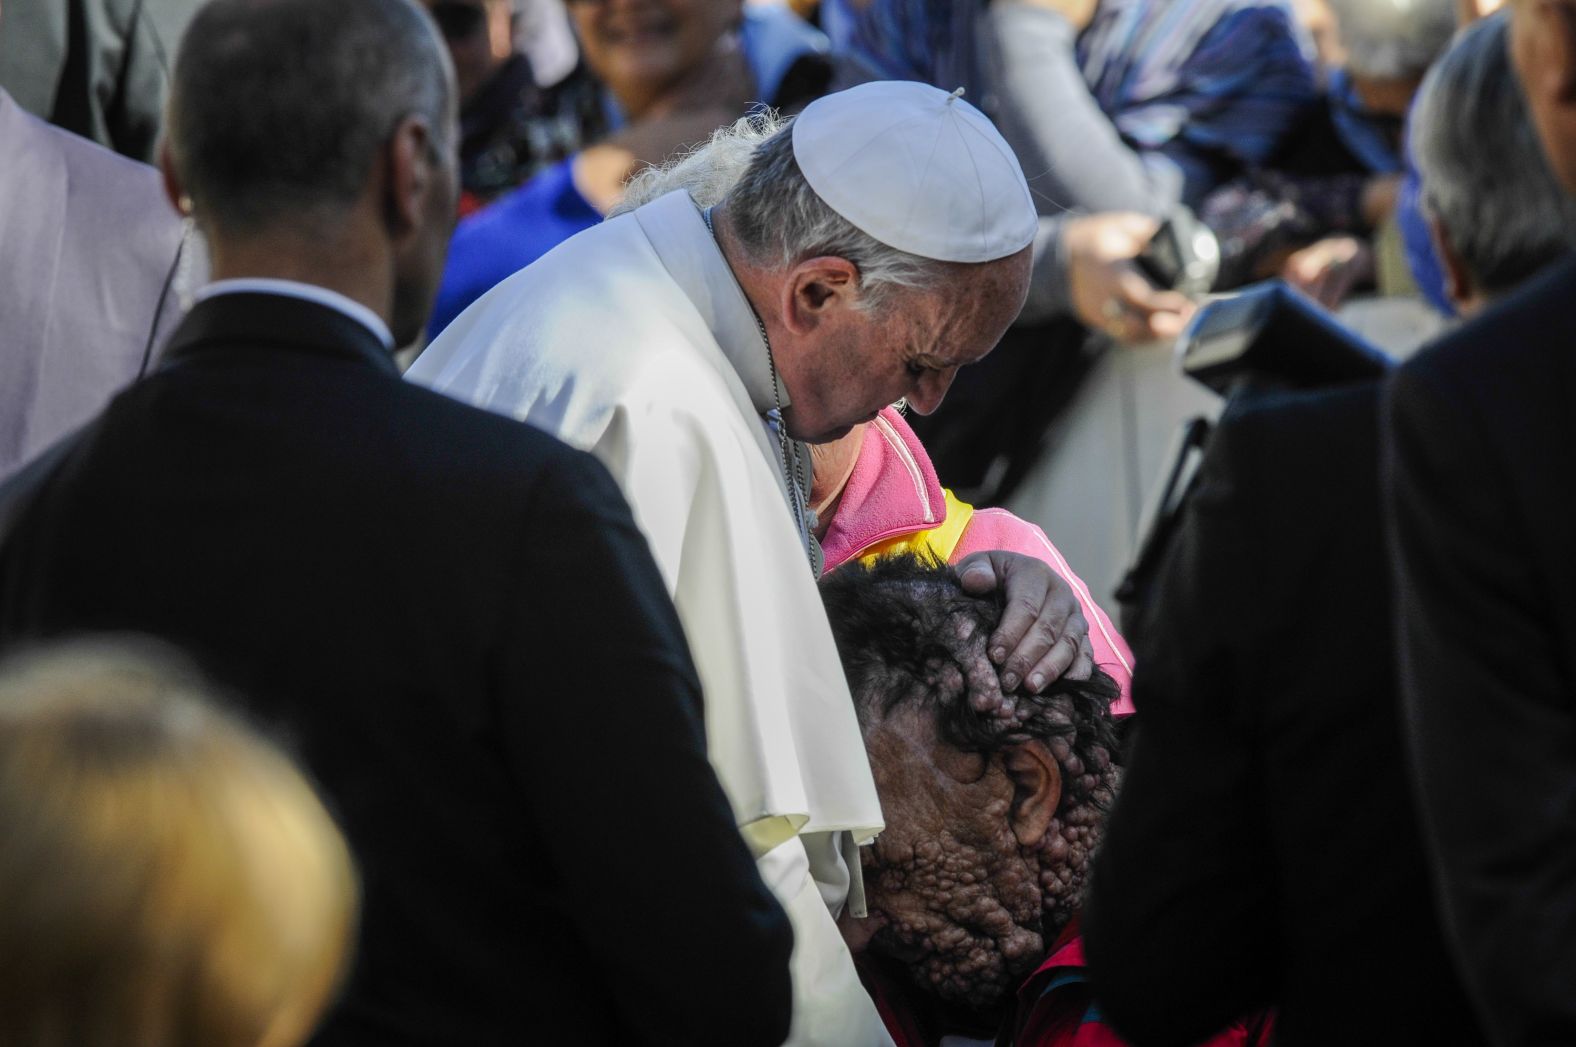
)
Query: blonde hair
[{"x": 167, "y": 877}]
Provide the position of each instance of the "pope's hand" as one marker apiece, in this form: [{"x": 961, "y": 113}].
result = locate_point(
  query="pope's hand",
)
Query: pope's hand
[{"x": 1042, "y": 634}]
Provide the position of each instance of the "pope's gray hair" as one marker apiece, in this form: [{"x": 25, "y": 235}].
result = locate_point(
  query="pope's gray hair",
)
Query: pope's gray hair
[
  {"x": 1484, "y": 174},
  {"x": 1394, "y": 39},
  {"x": 779, "y": 220}
]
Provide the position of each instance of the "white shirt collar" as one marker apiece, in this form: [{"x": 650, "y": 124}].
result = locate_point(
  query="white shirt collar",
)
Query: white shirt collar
[
  {"x": 309, "y": 292},
  {"x": 674, "y": 225}
]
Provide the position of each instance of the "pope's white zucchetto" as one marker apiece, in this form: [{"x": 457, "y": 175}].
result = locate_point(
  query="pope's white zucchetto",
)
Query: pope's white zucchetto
[{"x": 918, "y": 169}]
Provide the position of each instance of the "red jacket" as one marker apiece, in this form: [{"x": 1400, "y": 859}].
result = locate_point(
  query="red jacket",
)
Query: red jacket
[{"x": 1054, "y": 1009}]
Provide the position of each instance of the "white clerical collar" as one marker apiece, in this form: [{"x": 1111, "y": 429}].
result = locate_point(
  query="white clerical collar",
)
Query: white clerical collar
[
  {"x": 678, "y": 233},
  {"x": 309, "y": 292}
]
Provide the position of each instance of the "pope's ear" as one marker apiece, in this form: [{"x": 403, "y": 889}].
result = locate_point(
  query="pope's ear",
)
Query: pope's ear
[
  {"x": 1036, "y": 790},
  {"x": 816, "y": 287},
  {"x": 1458, "y": 277}
]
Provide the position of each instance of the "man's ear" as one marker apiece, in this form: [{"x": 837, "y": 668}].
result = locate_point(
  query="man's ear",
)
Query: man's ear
[
  {"x": 1036, "y": 790},
  {"x": 1563, "y": 40},
  {"x": 815, "y": 288},
  {"x": 1459, "y": 285},
  {"x": 172, "y": 181},
  {"x": 408, "y": 174}
]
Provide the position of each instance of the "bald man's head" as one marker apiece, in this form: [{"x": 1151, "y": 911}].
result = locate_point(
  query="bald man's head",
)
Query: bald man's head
[{"x": 278, "y": 108}]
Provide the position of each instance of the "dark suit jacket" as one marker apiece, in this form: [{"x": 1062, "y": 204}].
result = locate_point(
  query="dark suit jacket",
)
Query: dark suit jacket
[
  {"x": 1264, "y": 850},
  {"x": 458, "y": 624},
  {"x": 1481, "y": 438}
]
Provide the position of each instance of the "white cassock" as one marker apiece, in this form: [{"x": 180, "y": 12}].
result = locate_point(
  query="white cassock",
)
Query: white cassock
[{"x": 634, "y": 341}]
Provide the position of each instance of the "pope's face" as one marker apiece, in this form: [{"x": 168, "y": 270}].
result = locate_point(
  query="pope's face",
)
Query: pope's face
[{"x": 858, "y": 361}]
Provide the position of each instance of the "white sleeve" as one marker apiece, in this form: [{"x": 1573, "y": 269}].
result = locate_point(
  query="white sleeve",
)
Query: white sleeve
[{"x": 830, "y": 1006}]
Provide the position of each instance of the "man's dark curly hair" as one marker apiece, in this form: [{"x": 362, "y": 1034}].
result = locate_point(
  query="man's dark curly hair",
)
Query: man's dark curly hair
[{"x": 902, "y": 626}]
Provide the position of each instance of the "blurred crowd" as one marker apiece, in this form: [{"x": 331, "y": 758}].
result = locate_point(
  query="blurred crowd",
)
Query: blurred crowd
[{"x": 504, "y": 530}]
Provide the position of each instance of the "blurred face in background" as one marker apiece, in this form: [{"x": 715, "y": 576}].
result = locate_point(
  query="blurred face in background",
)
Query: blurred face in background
[
  {"x": 479, "y": 35},
  {"x": 1317, "y": 18},
  {"x": 641, "y": 49}
]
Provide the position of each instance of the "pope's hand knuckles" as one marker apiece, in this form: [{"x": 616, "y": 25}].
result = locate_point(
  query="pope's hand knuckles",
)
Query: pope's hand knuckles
[
  {"x": 1023, "y": 605},
  {"x": 1055, "y": 664},
  {"x": 1059, "y": 618},
  {"x": 980, "y": 573},
  {"x": 1053, "y": 667},
  {"x": 1049, "y": 628},
  {"x": 1031, "y": 650}
]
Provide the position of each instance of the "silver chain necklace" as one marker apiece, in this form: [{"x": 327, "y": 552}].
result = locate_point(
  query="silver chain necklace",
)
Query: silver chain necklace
[{"x": 787, "y": 448}]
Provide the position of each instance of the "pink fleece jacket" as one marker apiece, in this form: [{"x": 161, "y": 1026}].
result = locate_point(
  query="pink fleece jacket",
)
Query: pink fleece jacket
[{"x": 893, "y": 491}]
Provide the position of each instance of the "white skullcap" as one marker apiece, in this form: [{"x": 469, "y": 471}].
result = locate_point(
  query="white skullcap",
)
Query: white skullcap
[{"x": 917, "y": 169}]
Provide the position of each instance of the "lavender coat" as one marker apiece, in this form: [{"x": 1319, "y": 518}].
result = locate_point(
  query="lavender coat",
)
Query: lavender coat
[{"x": 89, "y": 243}]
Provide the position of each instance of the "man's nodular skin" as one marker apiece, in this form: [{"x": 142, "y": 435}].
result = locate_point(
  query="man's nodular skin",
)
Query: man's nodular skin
[{"x": 985, "y": 853}]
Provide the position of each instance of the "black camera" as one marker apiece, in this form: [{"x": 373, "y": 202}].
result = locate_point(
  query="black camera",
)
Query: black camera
[{"x": 1183, "y": 255}]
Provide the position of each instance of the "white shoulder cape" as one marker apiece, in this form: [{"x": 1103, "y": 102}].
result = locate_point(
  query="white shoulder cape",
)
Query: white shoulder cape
[{"x": 608, "y": 343}]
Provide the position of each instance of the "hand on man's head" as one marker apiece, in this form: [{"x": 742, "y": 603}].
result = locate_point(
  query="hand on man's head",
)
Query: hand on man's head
[{"x": 1043, "y": 634}]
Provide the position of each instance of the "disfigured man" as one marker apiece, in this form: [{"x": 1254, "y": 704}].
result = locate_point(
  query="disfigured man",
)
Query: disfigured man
[{"x": 992, "y": 820}]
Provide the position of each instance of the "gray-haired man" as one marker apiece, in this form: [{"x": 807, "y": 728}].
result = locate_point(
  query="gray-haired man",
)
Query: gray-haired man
[
  {"x": 1498, "y": 215},
  {"x": 782, "y": 285},
  {"x": 1481, "y": 462}
]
